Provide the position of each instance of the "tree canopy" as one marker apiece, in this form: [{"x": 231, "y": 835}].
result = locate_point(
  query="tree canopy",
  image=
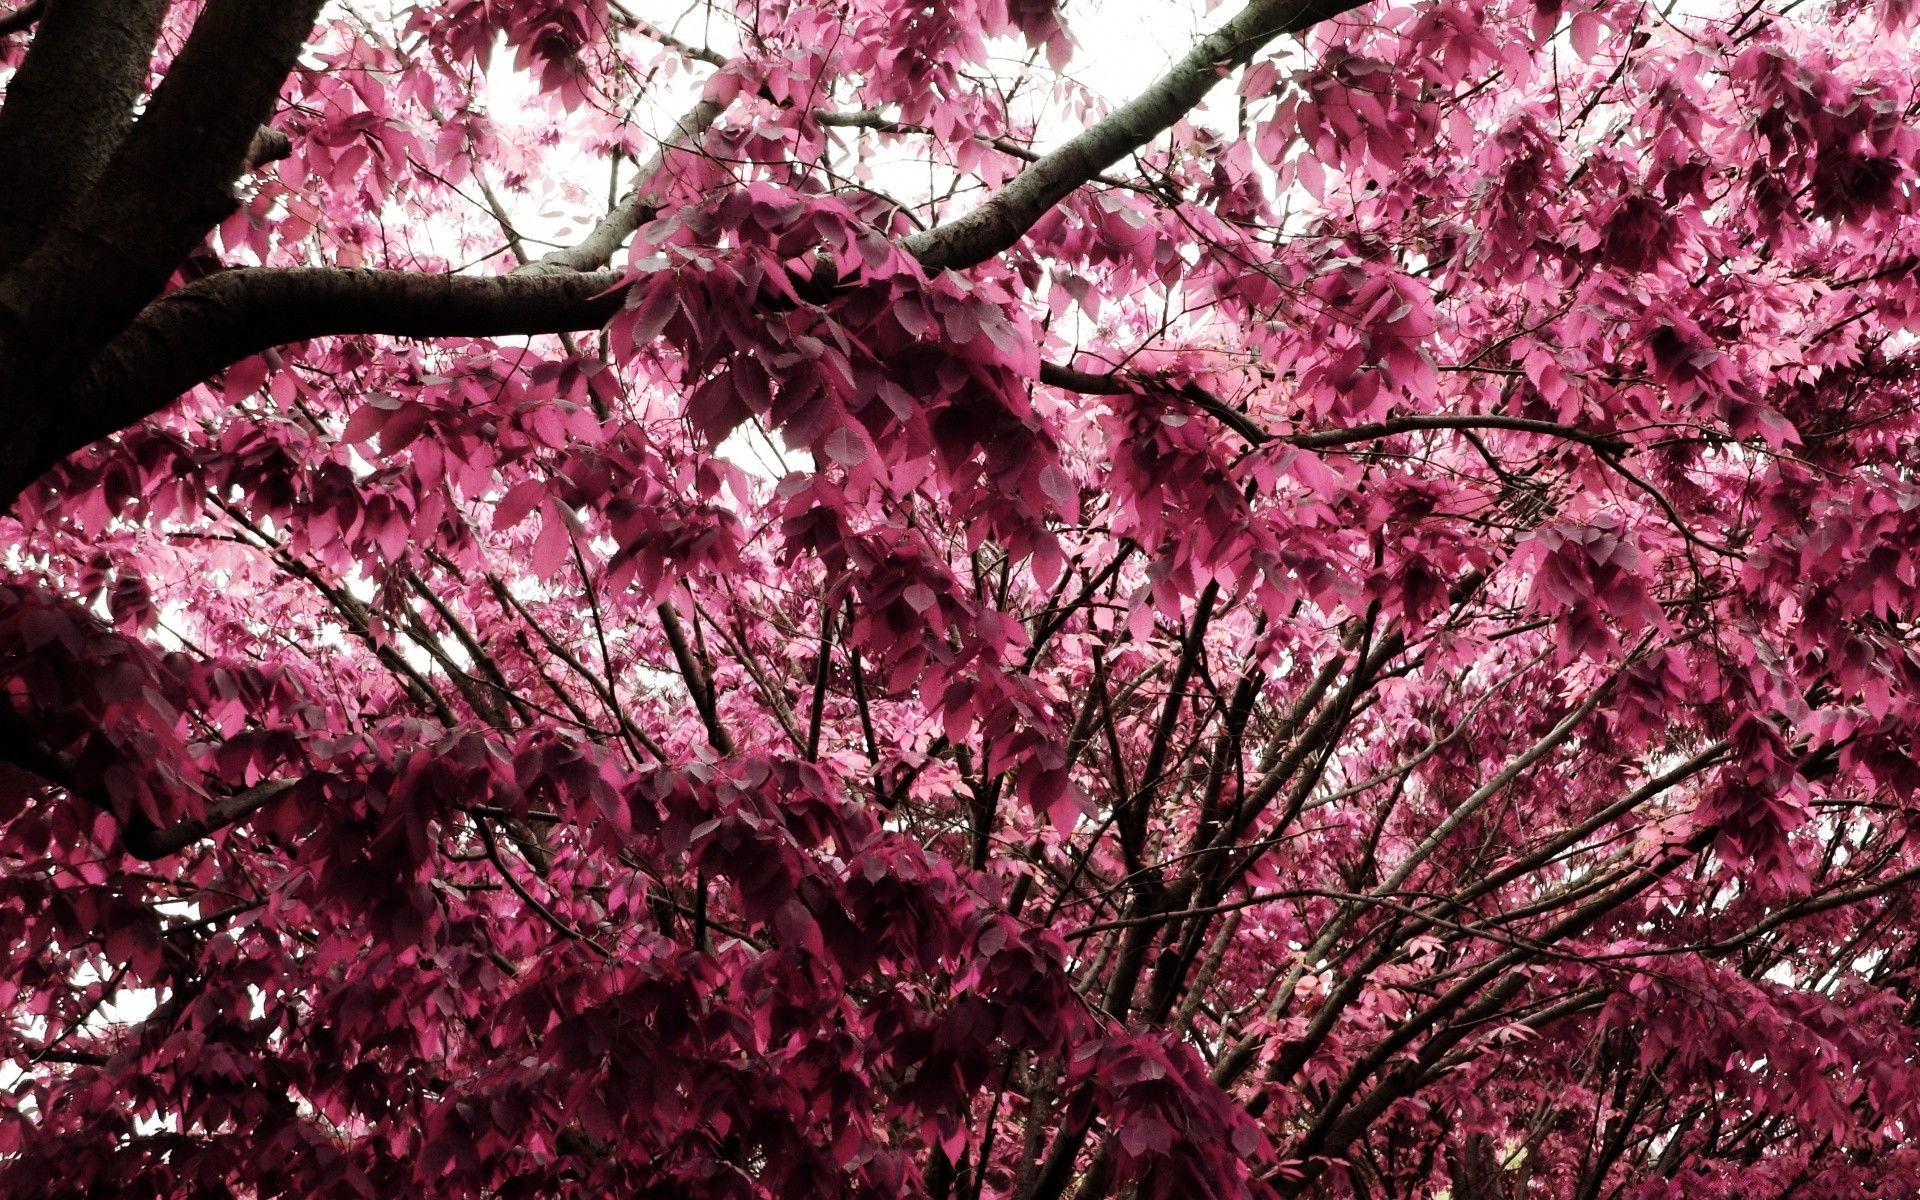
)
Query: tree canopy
[{"x": 785, "y": 601}]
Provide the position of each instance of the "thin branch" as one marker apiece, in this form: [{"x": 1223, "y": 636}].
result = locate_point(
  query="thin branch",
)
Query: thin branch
[
  {"x": 699, "y": 682},
  {"x": 817, "y": 705},
  {"x": 879, "y": 122},
  {"x": 632, "y": 20},
  {"x": 603, "y": 689},
  {"x": 640, "y": 205},
  {"x": 1119, "y": 383},
  {"x": 526, "y": 897}
]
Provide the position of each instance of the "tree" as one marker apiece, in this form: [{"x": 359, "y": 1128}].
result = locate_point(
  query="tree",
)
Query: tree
[{"x": 1357, "y": 641}]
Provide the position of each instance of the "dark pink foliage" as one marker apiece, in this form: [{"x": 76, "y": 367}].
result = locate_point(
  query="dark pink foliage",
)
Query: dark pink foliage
[{"x": 1365, "y": 648}]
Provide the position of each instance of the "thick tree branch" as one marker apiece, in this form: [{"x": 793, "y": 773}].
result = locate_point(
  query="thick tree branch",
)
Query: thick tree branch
[
  {"x": 168, "y": 183},
  {"x": 22, "y": 18},
  {"x": 189, "y": 335},
  {"x": 1006, "y": 216},
  {"x": 268, "y": 145},
  {"x": 67, "y": 108},
  {"x": 144, "y": 841}
]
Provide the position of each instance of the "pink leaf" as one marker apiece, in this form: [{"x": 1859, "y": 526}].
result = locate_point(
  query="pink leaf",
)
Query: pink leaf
[{"x": 553, "y": 544}]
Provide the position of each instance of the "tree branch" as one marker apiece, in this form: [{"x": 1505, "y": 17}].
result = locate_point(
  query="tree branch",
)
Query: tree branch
[
  {"x": 268, "y": 145},
  {"x": 1091, "y": 383},
  {"x": 1006, "y": 216},
  {"x": 879, "y": 122},
  {"x": 624, "y": 16},
  {"x": 138, "y": 836},
  {"x": 72, "y": 299},
  {"x": 67, "y": 108},
  {"x": 699, "y": 681},
  {"x": 1322, "y": 439},
  {"x": 189, "y": 335},
  {"x": 22, "y": 18},
  {"x": 143, "y": 841},
  {"x": 168, "y": 183},
  {"x": 639, "y": 206}
]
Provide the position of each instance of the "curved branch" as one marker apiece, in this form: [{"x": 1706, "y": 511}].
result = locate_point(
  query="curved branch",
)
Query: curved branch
[
  {"x": 1116, "y": 384},
  {"x": 183, "y": 338},
  {"x": 1089, "y": 383},
  {"x": 1006, "y": 216},
  {"x": 78, "y": 304}
]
